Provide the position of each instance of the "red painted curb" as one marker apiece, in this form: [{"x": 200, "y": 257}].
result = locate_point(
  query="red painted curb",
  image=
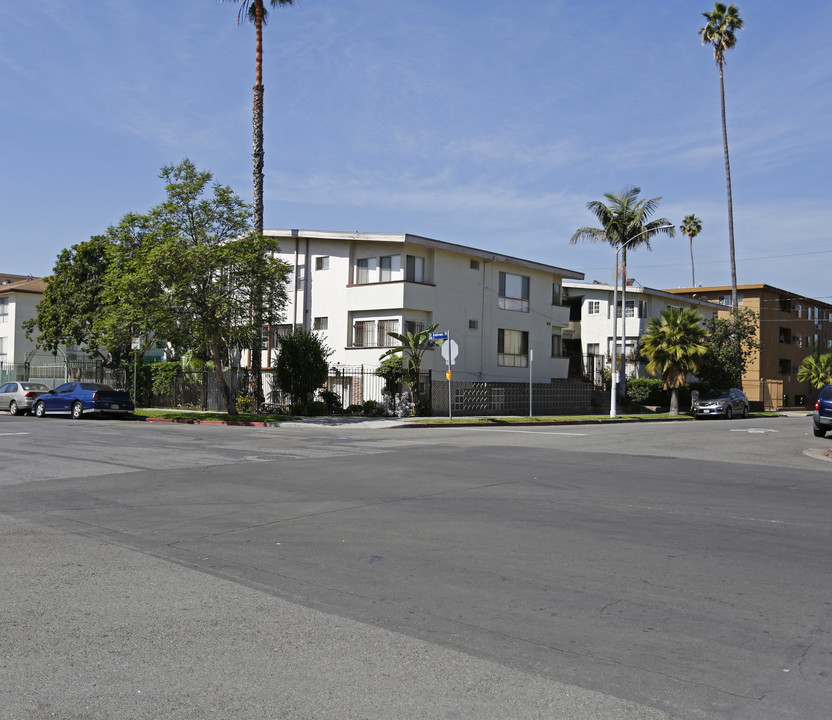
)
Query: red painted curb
[{"x": 207, "y": 422}]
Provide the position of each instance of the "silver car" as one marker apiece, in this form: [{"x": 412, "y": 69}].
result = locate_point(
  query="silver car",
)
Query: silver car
[
  {"x": 19, "y": 397},
  {"x": 722, "y": 403}
]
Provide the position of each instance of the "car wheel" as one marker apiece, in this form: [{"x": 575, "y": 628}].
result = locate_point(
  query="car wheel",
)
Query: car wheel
[
  {"x": 77, "y": 410},
  {"x": 729, "y": 412},
  {"x": 819, "y": 432},
  {"x": 12, "y": 408},
  {"x": 745, "y": 411},
  {"x": 40, "y": 410}
]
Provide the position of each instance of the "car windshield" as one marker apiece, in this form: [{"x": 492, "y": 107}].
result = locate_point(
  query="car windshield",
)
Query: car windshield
[
  {"x": 716, "y": 395},
  {"x": 34, "y": 386},
  {"x": 93, "y": 388}
]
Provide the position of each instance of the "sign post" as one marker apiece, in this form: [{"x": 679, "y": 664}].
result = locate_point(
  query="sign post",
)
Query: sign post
[
  {"x": 449, "y": 350},
  {"x": 136, "y": 345}
]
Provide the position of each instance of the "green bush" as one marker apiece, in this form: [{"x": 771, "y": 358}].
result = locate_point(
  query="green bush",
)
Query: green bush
[
  {"x": 298, "y": 408},
  {"x": 648, "y": 391},
  {"x": 316, "y": 408},
  {"x": 355, "y": 409},
  {"x": 370, "y": 407}
]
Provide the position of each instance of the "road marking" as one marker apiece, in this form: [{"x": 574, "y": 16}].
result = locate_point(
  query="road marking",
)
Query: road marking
[
  {"x": 23, "y": 433},
  {"x": 754, "y": 430}
]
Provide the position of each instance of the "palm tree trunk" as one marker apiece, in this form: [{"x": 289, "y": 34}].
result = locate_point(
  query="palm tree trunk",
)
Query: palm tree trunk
[
  {"x": 692, "y": 273},
  {"x": 730, "y": 202},
  {"x": 256, "y": 344}
]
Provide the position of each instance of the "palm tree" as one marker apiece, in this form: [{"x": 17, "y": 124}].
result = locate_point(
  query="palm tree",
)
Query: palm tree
[
  {"x": 254, "y": 11},
  {"x": 691, "y": 226},
  {"x": 816, "y": 370},
  {"x": 624, "y": 225},
  {"x": 412, "y": 347},
  {"x": 673, "y": 344},
  {"x": 719, "y": 32}
]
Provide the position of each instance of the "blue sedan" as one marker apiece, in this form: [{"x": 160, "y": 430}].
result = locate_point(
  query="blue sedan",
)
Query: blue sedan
[{"x": 81, "y": 398}]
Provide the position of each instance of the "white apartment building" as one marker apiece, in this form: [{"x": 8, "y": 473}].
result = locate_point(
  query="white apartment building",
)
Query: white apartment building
[
  {"x": 590, "y": 330},
  {"x": 19, "y": 296},
  {"x": 503, "y": 312}
]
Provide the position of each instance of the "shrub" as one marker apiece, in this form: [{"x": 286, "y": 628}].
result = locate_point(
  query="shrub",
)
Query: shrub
[
  {"x": 316, "y": 408},
  {"x": 371, "y": 407},
  {"x": 332, "y": 401},
  {"x": 244, "y": 403},
  {"x": 355, "y": 409},
  {"x": 298, "y": 408}
]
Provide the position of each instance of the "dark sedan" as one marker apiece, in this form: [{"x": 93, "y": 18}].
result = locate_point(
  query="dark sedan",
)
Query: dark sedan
[{"x": 82, "y": 398}]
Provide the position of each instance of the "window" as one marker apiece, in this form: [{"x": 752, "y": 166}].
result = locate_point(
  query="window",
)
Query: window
[
  {"x": 300, "y": 277},
  {"x": 785, "y": 366},
  {"x": 556, "y": 345},
  {"x": 4, "y": 309},
  {"x": 278, "y": 331},
  {"x": 677, "y": 310},
  {"x": 631, "y": 308},
  {"x": 3, "y": 351},
  {"x": 798, "y": 341},
  {"x": 642, "y": 308},
  {"x": 473, "y": 324},
  {"x": 413, "y": 327},
  {"x": 475, "y": 265},
  {"x": 785, "y": 336},
  {"x": 320, "y": 323},
  {"x": 363, "y": 267},
  {"x": 415, "y": 268},
  {"x": 322, "y": 263},
  {"x": 389, "y": 266},
  {"x": 512, "y": 348},
  {"x": 363, "y": 333},
  {"x": 557, "y": 293},
  {"x": 798, "y": 311},
  {"x": 514, "y": 292},
  {"x": 593, "y": 349},
  {"x": 726, "y": 300},
  {"x": 384, "y": 327},
  {"x": 593, "y": 307}
]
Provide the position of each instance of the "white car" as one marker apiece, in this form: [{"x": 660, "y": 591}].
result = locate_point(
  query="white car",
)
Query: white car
[{"x": 722, "y": 403}]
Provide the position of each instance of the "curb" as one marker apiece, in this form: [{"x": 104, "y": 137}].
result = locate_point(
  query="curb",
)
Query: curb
[{"x": 207, "y": 422}]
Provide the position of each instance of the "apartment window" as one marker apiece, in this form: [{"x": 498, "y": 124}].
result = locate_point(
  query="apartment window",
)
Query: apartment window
[
  {"x": 556, "y": 345},
  {"x": 798, "y": 311},
  {"x": 642, "y": 308},
  {"x": 557, "y": 294},
  {"x": 473, "y": 324},
  {"x": 809, "y": 342},
  {"x": 300, "y": 277},
  {"x": 514, "y": 292},
  {"x": 676, "y": 309},
  {"x": 365, "y": 270},
  {"x": 593, "y": 307},
  {"x": 384, "y": 327},
  {"x": 726, "y": 300},
  {"x": 322, "y": 263},
  {"x": 785, "y": 336},
  {"x": 785, "y": 366},
  {"x": 3, "y": 350},
  {"x": 278, "y": 331},
  {"x": 363, "y": 333},
  {"x": 785, "y": 303},
  {"x": 631, "y": 309},
  {"x": 512, "y": 348},
  {"x": 320, "y": 323},
  {"x": 593, "y": 348},
  {"x": 798, "y": 341},
  {"x": 475, "y": 265},
  {"x": 413, "y": 327},
  {"x": 415, "y": 268},
  {"x": 389, "y": 267},
  {"x": 4, "y": 309}
]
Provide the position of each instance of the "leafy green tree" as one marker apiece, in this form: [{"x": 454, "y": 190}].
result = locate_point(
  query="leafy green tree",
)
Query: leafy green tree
[
  {"x": 816, "y": 369},
  {"x": 179, "y": 272},
  {"x": 411, "y": 348},
  {"x": 302, "y": 366},
  {"x": 719, "y": 32},
  {"x": 69, "y": 311},
  {"x": 731, "y": 343},
  {"x": 674, "y": 344},
  {"x": 392, "y": 371},
  {"x": 691, "y": 226},
  {"x": 254, "y": 11},
  {"x": 625, "y": 224}
]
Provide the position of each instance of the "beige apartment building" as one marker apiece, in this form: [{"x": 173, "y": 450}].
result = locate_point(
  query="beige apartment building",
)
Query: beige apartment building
[{"x": 790, "y": 326}]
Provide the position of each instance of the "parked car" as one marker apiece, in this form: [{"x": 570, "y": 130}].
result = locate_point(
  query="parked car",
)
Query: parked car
[
  {"x": 822, "y": 416},
  {"x": 19, "y": 397},
  {"x": 725, "y": 403},
  {"x": 81, "y": 398}
]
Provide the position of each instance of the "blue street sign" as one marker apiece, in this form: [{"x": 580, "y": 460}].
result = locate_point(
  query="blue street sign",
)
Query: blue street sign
[{"x": 439, "y": 336}]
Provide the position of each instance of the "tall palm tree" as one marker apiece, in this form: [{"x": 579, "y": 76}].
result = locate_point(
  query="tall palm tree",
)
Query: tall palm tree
[
  {"x": 254, "y": 11},
  {"x": 673, "y": 344},
  {"x": 412, "y": 347},
  {"x": 624, "y": 224},
  {"x": 723, "y": 22},
  {"x": 691, "y": 226}
]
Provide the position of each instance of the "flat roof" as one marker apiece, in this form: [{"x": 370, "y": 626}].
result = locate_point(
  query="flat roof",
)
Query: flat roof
[{"x": 427, "y": 242}]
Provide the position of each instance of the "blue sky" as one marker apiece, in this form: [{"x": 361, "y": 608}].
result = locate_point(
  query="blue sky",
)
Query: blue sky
[{"x": 488, "y": 124}]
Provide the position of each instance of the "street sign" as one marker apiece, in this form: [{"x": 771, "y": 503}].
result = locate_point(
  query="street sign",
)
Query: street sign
[
  {"x": 439, "y": 336},
  {"x": 449, "y": 351},
  {"x": 136, "y": 344}
]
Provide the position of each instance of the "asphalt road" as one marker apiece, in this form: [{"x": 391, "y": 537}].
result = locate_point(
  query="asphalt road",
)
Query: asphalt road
[{"x": 369, "y": 571}]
